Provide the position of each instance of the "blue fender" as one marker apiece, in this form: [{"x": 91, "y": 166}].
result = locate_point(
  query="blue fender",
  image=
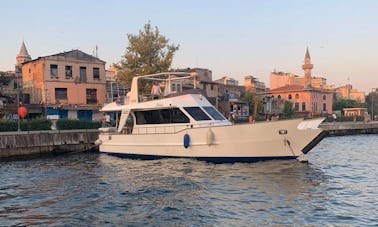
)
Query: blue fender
[{"x": 186, "y": 140}]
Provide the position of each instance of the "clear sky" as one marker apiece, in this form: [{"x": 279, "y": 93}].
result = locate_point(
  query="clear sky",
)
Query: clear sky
[{"x": 234, "y": 37}]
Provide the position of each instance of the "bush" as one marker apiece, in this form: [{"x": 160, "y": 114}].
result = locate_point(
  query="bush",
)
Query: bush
[
  {"x": 344, "y": 119},
  {"x": 25, "y": 125},
  {"x": 67, "y": 124}
]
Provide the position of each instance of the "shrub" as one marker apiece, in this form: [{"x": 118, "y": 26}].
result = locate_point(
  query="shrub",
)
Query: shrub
[
  {"x": 25, "y": 125},
  {"x": 344, "y": 119},
  {"x": 67, "y": 124}
]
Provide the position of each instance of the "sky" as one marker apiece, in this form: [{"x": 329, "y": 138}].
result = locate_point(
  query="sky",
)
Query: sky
[{"x": 232, "y": 38}]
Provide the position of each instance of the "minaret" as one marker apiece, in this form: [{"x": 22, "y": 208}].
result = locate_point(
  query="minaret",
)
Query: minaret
[{"x": 307, "y": 66}]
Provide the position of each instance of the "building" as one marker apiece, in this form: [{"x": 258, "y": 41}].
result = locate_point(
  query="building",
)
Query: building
[
  {"x": 307, "y": 101},
  {"x": 115, "y": 89},
  {"x": 347, "y": 92},
  {"x": 253, "y": 85},
  {"x": 309, "y": 96},
  {"x": 226, "y": 98},
  {"x": 279, "y": 79},
  {"x": 227, "y": 80},
  {"x": 69, "y": 84}
]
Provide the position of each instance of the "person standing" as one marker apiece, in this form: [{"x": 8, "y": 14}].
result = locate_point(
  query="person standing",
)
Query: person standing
[{"x": 155, "y": 91}]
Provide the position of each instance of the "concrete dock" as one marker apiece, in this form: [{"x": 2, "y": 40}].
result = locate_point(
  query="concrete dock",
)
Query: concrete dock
[
  {"x": 17, "y": 144},
  {"x": 350, "y": 128}
]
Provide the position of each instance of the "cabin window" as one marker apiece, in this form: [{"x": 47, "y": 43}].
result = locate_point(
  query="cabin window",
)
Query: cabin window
[
  {"x": 197, "y": 113},
  {"x": 214, "y": 113},
  {"x": 161, "y": 116}
]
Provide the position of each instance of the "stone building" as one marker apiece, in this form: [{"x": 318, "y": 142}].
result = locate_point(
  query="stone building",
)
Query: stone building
[
  {"x": 69, "y": 84},
  {"x": 348, "y": 92},
  {"x": 253, "y": 85}
]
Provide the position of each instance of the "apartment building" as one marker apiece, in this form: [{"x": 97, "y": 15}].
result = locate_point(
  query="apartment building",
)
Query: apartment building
[{"x": 69, "y": 84}]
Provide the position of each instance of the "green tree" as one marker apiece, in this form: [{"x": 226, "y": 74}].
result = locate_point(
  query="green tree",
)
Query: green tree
[
  {"x": 346, "y": 103},
  {"x": 251, "y": 99},
  {"x": 148, "y": 52},
  {"x": 288, "y": 110}
]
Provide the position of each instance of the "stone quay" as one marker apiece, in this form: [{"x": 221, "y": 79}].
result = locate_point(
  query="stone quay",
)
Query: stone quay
[{"x": 29, "y": 143}]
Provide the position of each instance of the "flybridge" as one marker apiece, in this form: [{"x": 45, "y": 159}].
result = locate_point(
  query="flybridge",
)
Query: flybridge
[{"x": 168, "y": 80}]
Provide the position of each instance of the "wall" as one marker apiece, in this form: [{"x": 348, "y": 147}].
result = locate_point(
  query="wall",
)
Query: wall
[{"x": 13, "y": 144}]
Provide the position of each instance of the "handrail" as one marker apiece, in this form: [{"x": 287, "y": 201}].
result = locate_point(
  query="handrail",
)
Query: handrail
[{"x": 166, "y": 129}]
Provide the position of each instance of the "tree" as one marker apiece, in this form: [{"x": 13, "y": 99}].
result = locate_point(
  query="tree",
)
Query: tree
[
  {"x": 288, "y": 110},
  {"x": 346, "y": 103},
  {"x": 252, "y": 100},
  {"x": 148, "y": 52}
]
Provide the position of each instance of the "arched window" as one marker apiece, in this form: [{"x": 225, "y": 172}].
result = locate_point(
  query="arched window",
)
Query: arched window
[
  {"x": 296, "y": 96},
  {"x": 289, "y": 96},
  {"x": 324, "y": 97},
  {"x": 279, "y": 96}
]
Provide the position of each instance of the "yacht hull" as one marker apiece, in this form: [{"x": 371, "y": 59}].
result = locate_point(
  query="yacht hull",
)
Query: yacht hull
[{"x": 285, "y": 139}]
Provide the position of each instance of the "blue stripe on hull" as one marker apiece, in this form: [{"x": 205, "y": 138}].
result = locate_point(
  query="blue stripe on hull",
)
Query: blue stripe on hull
[{"x": 207, "y": 159}]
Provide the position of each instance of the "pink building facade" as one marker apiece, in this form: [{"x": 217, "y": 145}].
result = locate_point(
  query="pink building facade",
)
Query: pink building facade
[
  {"x": 306, "y": 101},
  {"x": 309, "y": 95},
  {"x": 69, "y": 84}
]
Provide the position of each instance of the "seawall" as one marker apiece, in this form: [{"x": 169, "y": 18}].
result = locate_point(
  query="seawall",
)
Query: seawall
[
  {"x": 17, "y": 144},
  {"x": 350, "y": 128}
]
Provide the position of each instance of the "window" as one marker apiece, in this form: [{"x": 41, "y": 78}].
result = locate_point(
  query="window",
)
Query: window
[
  {"x": 214, "y": 113},
  {"x": 324, "y": 107},
  {"x": 61, "y": 93},
  {"x": 96, "y": 73},
  {"x": 161, "y": 116},
  {"x": 197, "y": 113},
  {"x": 53, "y": 70},
  {"x": 279, "y": 96},
  {"x": 173, "y": 87},
  {"x": 296, "y": 96},
  {"x": 324, "y": 97},
  {"x": 68, "y": 71},
  {"x": 83, "y": 74},
  {"x": 296, "y": 106},
  {"x": 178, "y": 87},
  {"x": 303, "y": 106},
  {"x": 91, "y": 96},
  {"x": 289, "y": 96}
]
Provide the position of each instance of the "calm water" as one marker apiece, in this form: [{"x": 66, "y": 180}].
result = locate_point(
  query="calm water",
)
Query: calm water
[{"x": 339, "y": 186}]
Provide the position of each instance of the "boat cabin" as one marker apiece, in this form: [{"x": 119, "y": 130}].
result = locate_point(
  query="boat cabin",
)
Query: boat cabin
[{"x": 170, "y": 113}]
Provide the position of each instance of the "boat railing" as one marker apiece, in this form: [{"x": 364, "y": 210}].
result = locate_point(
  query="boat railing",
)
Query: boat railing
[{"x": 166, "y": 129}]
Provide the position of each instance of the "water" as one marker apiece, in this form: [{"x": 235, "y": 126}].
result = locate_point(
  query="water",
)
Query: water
[{"x": 337, "y": 187}]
